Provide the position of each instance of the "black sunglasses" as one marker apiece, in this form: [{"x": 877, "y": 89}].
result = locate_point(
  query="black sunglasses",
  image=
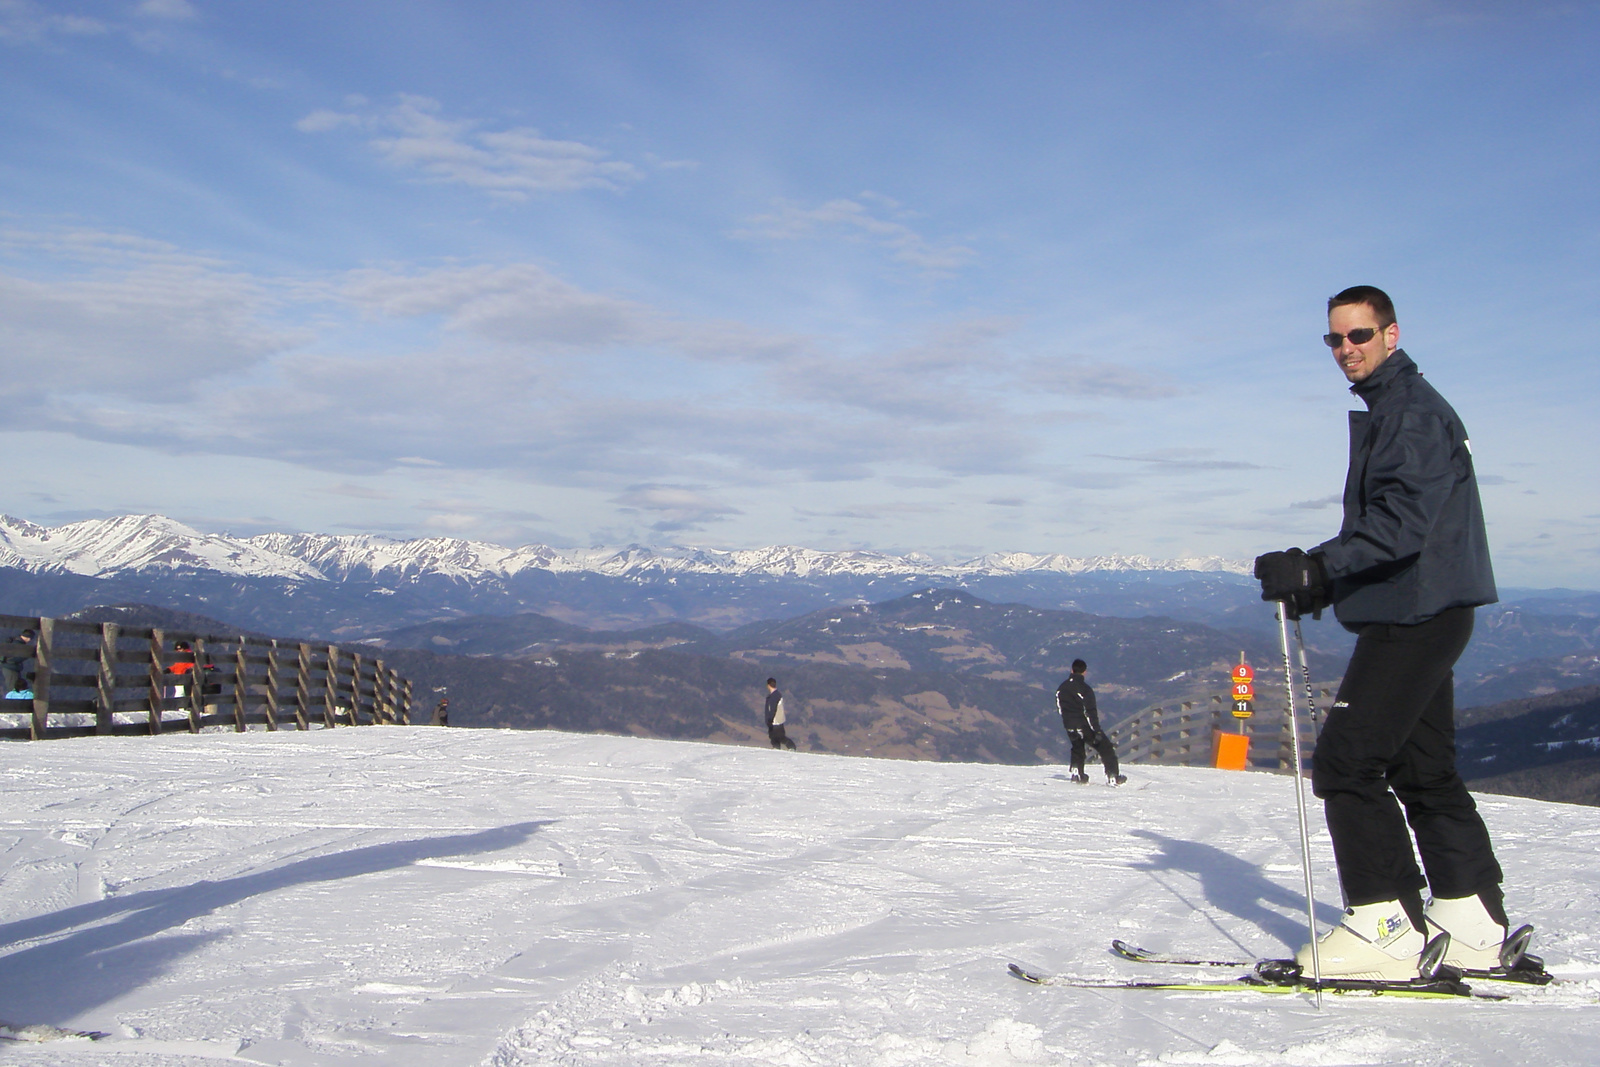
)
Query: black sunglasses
[{"x": 1359, "y": 336}]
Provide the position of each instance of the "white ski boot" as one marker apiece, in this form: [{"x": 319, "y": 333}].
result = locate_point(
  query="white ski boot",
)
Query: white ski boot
[
  {"x": 1476, "y": 939},
  {"x": 1375, "y": 942}
]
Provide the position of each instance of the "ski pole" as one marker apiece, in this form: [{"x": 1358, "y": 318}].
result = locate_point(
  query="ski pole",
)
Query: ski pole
[
  {"x": 1305, "y": 674},
  {"x": 1300, "y": 795}
]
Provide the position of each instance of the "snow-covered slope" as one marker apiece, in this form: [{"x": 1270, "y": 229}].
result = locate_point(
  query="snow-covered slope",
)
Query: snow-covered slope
[
  {"x": 137, "y": 543},
  {"x": 424, "y": 898}
]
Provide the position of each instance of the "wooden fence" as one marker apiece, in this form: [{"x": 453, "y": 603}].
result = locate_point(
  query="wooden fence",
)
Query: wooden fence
[
  {"x": 105, "y": 678},
  {"x": 1180, "y": 735}
]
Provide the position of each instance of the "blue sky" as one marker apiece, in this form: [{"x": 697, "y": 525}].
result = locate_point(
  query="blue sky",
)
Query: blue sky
[{"x": 939, "y": 277}]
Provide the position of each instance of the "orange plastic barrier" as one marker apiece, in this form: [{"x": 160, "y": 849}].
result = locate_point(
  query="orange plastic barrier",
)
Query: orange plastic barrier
[{"x": 1230, "y": 752}]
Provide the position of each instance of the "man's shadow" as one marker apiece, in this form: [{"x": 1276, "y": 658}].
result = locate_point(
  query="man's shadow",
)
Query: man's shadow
[
  {"x": 113, "y": 946},
  {"x": 1238, "y": 888}
]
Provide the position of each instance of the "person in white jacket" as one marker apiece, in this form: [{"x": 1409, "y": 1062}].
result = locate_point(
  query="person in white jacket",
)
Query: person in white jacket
[{"x": 776, "y": 717}]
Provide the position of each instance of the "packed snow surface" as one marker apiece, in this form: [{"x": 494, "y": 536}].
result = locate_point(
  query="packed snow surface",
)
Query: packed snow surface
[{"x": 418, "y": 896}]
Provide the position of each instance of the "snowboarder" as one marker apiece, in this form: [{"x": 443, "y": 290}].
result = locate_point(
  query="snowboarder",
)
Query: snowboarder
[
  {"x": 1409, "y": 565},
  {"x": 777, "y": 715},
  {"x": 1081, "y": 718}
]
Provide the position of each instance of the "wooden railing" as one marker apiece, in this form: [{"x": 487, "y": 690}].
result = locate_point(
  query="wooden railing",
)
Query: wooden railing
[
  {"x": 105, "y": 678},
  {"x": 1180, "y": 735}
]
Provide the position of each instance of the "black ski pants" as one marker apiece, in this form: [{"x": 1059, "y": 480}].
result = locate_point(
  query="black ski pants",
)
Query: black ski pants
[
  {"x": 1102, "y": 744},
  {"x": 778, "y": 736},
  {"x": 1390, "y": 741}
]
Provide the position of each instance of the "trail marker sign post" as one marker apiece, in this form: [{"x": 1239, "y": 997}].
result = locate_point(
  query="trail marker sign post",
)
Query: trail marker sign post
[{"x": 1231, "y": 751}]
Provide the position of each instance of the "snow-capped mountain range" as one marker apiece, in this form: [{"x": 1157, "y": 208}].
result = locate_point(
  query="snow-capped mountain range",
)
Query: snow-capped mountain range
[{"x": 152, "y": 544}]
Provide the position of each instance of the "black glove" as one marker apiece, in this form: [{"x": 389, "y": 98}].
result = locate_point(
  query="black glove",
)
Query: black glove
[{"x": 1295, "y": 580}]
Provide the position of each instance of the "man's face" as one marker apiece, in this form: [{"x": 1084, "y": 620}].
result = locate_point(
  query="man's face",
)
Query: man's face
[{"x": 1359, "y": 361}]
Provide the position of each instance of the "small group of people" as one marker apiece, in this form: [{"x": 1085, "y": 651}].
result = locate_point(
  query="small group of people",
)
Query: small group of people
[
  {"x": 1080, "y": 715},
  {"x": 15, "y": 670}
]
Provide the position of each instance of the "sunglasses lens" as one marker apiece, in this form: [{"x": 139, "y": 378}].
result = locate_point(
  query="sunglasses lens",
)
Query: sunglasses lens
[{"x": 1357, "y": 337}]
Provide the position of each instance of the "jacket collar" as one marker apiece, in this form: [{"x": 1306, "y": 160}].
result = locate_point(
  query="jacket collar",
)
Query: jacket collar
[{"x": 1393, "y": 367}]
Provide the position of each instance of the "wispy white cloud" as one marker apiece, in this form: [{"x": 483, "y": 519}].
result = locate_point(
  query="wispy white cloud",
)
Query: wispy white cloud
[
  {"x": 139, "y": 318},
  {"x": 1082, "y": 376},
  {"x": 1341, "y": 18},
  {"x": 1183, "y": 460},
  {"x": 512, "y": 163},
  {"x": 27, "y": 20},
  {"x": 677, "y": 508},
  {"x": 167, "y": 9},
  {"x": 323, "y": 120},
  {"x": 869, "y": 217},
  {"x": 355, "y": 492},
  {"x": 507, "y": 368},
  {"x": 525, "y": 305}
]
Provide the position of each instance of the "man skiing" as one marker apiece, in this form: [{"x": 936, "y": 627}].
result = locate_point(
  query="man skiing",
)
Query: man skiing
[
  {"x": 1081, "y": 718},
  {"x": 1407, "y": 569}
]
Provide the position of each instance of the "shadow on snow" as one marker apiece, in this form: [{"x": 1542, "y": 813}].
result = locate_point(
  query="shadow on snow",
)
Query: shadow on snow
[
  {"x": 113, "y": 946},
  {"x": 1239, "y": 888}
]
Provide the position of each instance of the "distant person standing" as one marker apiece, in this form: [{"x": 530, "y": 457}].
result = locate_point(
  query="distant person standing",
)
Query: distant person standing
[
  {"x": 776, "y": 717},
  {"x": 1081, "y": 718}
]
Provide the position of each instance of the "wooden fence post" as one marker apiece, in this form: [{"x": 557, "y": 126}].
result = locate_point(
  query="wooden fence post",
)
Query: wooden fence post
[
  {"x": 272, "y": 685},
  {"x": 382, "y": 704},
  {"x": 106, "y": 677},
  {"x": 43, "y": 657},
  {"x": 195, "y": 689},
  {"x": 330, "y": 688},
  {"x": 302, "y": 689},
  {"x": 1185, "y": 733},
  {"x": 239, "y": 724},
  {"x": 158, "y": 688},
  {"x": 355, "y": 689}
]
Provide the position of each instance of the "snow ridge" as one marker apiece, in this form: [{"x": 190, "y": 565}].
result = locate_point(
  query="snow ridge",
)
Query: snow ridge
[{"x": 134, "y": 544}]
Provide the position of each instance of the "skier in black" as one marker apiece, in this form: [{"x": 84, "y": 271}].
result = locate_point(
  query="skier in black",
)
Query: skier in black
[
  {"x": 1409, "y": 565},
  {"x": 777, "y": 715},
  {"x": 1081, "y": 717}
]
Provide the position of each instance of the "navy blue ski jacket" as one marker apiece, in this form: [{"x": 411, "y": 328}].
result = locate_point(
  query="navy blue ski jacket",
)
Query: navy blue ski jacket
[
  {"x": 1413, "y": 542},
  {"x": 1077, "y": 704}
]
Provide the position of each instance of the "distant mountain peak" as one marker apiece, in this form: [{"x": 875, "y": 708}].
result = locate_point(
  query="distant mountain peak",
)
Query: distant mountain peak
[{"x": 134, "y": 544}]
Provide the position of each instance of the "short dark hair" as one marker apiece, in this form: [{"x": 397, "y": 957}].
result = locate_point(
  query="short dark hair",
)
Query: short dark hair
[
  {"x": 1078, "y": 666},
  {"x": 772, "y": 681},
  {"x": 1370, "y": 295}
]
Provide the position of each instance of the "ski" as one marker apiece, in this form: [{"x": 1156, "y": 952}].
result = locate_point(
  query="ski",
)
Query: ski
[
  {"x": 1431, "y": 989},
  {"x": 37, "y": 1032},
  {"x": 1526, "y": 970}
]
